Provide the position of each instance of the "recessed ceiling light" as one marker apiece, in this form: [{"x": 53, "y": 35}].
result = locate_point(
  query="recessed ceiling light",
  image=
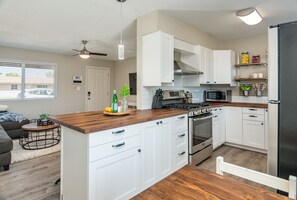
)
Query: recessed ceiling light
[{"x": 249, "y": 16}]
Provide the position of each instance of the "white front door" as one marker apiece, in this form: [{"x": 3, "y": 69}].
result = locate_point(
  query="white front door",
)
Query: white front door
[{"x": 98, "y": 88}]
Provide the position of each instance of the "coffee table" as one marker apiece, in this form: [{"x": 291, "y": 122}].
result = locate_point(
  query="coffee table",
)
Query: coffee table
[{"x": 40, "y": 137}]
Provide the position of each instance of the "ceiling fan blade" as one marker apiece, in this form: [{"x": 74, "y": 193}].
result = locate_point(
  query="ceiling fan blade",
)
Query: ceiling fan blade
[
  {"x": 75, "y": 54},
  {"x": 76, "y": 50},
  {"x": 98, "y": 54}
]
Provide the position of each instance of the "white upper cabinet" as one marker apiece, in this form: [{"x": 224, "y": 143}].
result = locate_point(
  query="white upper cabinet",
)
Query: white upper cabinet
[
  {"x": 223, "y": 67},
  {"x": 157, "y": 59},
  {"x": 205, "y": 64}
]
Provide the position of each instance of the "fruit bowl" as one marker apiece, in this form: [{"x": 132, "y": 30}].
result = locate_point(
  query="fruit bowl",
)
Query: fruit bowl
[{"x": 118, "y": 113}]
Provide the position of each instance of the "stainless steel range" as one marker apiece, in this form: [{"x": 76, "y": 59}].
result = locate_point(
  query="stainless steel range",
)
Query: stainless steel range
[{"x": 200, "y": 124}]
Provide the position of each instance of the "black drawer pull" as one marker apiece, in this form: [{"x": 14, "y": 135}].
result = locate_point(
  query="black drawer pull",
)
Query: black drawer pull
[
  {"x": 182, "y": 117},
  {"x": 118, "y": 132},
  {"x": 182, "y": 135},
  {"x": 157, "y": 123},
  {"x": 215, "y": 116},
  {"x": 161, "y": 122},
  {"x": 181, "y": 153},
  {"x": 253, "y": 116},
  {"x": 252, "y": 109},
  {"x": 118, "y": 145}
]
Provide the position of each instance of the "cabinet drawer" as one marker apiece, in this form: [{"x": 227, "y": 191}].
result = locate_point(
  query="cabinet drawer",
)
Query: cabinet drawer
[
  {"x": 253, "y": 117},
  {"x": 101, "y": 151},
  {"x": 103, "y": 137},
  {"x": 216, "y": 110},
  {"x": 180, "y": 124},
  {"x": 258, "y": 111},
  {"x": 180, "y": 157},
  {"x": 179, "y": 139}
]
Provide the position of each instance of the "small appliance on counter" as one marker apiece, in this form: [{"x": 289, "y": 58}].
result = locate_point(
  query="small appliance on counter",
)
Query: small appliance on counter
[
  {"x": 189, "y": 97},
  {"x": 157, "y": 99},
  {"x": 218, "y": 95}
]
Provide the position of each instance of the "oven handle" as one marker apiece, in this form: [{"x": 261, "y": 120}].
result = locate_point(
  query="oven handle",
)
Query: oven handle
[{"x": 202, "y": 118}]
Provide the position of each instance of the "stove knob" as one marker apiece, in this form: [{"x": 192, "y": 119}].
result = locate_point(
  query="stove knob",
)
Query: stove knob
[
  {"x": 199, "y": 112},
  {"x": 191, "y": 113},
  {"x": 209, "y": 110},
  {"x": 204, "y": 110}
]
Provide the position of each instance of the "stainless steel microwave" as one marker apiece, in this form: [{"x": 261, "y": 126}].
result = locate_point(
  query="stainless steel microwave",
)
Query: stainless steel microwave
[{"x": 218, "y": 95}]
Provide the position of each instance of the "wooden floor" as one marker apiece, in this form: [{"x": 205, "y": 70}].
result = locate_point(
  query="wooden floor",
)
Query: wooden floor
[{"x": 34, "y": 179}]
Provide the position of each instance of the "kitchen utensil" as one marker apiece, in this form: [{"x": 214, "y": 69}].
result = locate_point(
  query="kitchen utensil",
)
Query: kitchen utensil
[{"x": 263, "y": 87}]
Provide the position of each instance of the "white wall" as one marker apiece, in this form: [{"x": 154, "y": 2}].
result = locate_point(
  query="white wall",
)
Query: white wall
[
  {"x": 68, "y": 100},
  {"x": 121, "y": 76}
]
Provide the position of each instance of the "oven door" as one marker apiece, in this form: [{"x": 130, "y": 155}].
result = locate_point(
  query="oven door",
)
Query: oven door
[{"x": 200, "y": 132}]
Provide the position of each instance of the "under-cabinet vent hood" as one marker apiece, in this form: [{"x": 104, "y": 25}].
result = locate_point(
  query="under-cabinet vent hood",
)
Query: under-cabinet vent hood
[{"x": 181, "y": 68}]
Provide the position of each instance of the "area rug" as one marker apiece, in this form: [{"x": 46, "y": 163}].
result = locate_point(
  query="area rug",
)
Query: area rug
[{"x": 19, "y": 154}]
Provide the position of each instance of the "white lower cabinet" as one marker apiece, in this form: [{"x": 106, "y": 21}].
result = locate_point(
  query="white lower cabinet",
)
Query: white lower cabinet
[
  {"x": 233, "y": 117},
  {"x": 120, "y": 163},
  {"x": 253, "y": 134},
  {"x": 115, "y": 177},
  {"x": 218, "y": 127}
]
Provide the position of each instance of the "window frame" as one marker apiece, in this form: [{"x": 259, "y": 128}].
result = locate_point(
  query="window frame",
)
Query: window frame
[{"x": 23, "y": 67}]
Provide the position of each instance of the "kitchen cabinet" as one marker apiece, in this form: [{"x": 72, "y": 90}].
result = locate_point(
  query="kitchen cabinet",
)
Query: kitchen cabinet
[
  {"x": 223, "y": 70},
  {"x": 126, "y": 159},
  {"x": 157, "y": 59},
  {"x": 205, "y": 64},
  {"x": 254, "y": 128},
  {"x": 218, "y": 127},
  {"x": 233, "y": 117},
  {"x": 159, "y": 150},
  {"x": 121, "y": 172}
]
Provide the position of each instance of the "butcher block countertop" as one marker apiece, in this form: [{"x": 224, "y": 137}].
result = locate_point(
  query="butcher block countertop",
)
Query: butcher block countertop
[
  {"x": 193, "y": 183},
  {"x": 249, "y": 105},
  {"x": 89, "y": 122}
]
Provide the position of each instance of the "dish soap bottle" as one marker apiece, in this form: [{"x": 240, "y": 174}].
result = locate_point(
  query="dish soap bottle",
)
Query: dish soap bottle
[{"x": 114, "y": 102}]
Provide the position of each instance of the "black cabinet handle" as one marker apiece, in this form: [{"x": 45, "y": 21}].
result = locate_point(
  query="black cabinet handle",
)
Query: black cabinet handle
[
  {"x": 181, "y": 153},
  {"x": 161, "y": 122},
  {"x": 118, "y": 145},
  {"x": 139, "y": 150},
  {"x": 253, "y": 116},
  {"x": 182, "y": 117},
  {"x": 118, "y": 132},
  {"x": 252, "y": 109},
  {"x": 262, "y": 123},
  {"x": 215, "y": 116},
  {"x": 157, "y": 123},
  {"x": 182, "y": 135},
  {"x": 172, "y": 80}
]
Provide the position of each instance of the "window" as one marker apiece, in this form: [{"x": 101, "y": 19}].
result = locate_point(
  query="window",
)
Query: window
[
  {"x": 14, "y": 87},
  {"x": 27, "y": 80}
]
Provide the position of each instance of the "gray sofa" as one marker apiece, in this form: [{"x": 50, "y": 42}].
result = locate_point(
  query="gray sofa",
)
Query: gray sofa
[
  {"x": 6, "y": 146},
  {"x": 14, "y": 129}
]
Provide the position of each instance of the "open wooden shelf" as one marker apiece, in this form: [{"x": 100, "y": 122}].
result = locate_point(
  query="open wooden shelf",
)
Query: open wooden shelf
[
  {"x": 251, "y": 64},
  {"x": 251, "y": 79}
]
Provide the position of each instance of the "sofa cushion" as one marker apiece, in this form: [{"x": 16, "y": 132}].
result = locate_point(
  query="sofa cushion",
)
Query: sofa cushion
[{"x": 6, "y": 144}]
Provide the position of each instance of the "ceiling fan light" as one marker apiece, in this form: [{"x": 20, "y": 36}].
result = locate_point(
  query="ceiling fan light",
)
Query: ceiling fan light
[
  {"x": 121, "y": 51},
  {"x": 250, "y": 16},
  {"x": 84, "y": 54}
]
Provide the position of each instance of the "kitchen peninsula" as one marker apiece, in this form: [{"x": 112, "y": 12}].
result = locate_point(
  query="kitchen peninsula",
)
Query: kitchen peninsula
[{"x": 117, "y": 157}]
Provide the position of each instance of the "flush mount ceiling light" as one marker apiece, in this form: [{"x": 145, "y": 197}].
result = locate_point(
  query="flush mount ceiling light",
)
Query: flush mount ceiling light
[
  {"x": 121, "y": 47},
  {"x": 249, "y": 16}
]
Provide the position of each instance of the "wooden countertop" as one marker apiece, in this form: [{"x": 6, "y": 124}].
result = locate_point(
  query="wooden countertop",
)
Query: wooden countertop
[
  {"x": 89, "y": 122},
  {"x": 249, "y": 105},
  {"x": 193, "y": 183}
]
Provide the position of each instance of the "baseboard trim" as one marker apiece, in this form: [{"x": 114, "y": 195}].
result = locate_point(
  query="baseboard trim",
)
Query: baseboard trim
[{"x": 245, "y": 147}]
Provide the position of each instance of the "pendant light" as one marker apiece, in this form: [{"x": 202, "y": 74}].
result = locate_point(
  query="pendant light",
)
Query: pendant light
[
  {"x": 121, "y": 46},
  {"x": 250, "y": 16}
]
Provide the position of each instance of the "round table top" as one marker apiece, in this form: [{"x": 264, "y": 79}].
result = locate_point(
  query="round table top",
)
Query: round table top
[{"x": 34, "y": 127}]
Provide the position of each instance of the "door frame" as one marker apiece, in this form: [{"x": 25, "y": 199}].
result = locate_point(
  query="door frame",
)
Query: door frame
[{"x": 86, "y": 91}]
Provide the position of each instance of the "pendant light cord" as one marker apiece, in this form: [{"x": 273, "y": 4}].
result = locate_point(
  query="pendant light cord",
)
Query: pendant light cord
[{"x": 121, "y": 24}]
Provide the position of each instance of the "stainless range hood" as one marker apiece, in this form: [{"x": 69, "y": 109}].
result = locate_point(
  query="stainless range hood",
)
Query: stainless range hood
[{"x": 183, "y": 69}]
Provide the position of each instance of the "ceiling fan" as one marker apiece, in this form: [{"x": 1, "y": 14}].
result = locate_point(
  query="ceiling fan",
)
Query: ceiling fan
[{"x": 84, "y": 53}]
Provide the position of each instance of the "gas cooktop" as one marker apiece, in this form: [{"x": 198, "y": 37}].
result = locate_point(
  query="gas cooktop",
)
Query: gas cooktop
[{"x": 187, "y": 106}]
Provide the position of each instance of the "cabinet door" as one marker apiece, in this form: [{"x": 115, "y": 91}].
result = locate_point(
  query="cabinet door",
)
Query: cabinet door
[
  {"x": 223, "y": 66},
  {"x": 167, "y": 57},
  {"x": 157, "y": 59},
  {"x": 233, "y": 124},
  {"x": 222, "y": 132},
  {"x": 149, "y": 160},
  {"x": 205, "y": 64},
  {"x": 164, "y": 146},
  {"x": 253, "y": 134},
  {"x": 216, "y": 131},
  {"x": 115, "y": 177}
]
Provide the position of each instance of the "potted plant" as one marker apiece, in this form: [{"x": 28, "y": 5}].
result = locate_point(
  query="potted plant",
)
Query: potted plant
[
  {"x": 125, "y": 91},
  {"x": 245, "y": 89},
  {"x": 42, "y": 121}
]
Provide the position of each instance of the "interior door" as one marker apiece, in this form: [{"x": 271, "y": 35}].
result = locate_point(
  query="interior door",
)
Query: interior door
[{"x": 98, "y": 88}]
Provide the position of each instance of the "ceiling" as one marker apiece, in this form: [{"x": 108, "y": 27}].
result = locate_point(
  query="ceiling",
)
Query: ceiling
[{"x": 60, "y": 25}]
